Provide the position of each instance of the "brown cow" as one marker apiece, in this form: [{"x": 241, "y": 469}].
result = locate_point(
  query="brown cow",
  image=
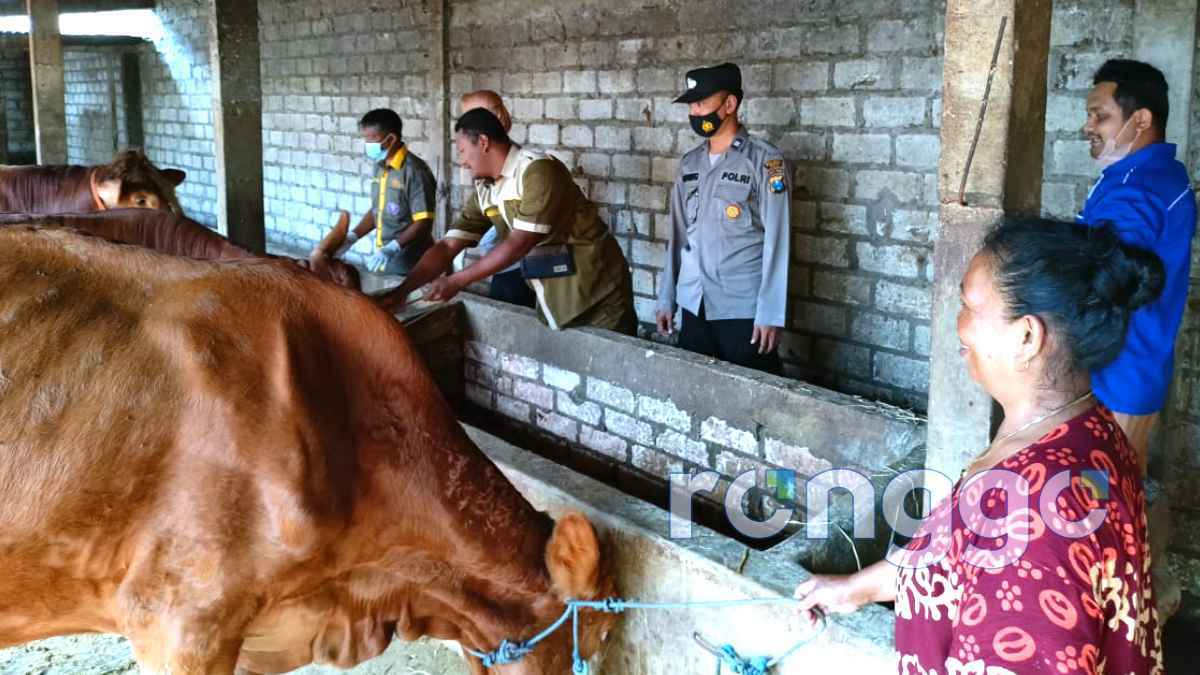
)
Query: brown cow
[
  {"x": 129, "y": 181},
  {"x": 237, "y": 465},
  {"x": 175, "y": 235}
]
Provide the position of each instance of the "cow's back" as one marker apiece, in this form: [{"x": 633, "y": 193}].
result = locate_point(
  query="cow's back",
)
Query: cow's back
[
  {"x": 150, "y": 403},
  {"x": 46, "y": 189}
]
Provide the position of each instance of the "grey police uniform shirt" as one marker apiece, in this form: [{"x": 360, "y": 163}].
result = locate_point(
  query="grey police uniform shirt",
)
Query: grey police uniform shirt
[{"x": 730, "y": 234}]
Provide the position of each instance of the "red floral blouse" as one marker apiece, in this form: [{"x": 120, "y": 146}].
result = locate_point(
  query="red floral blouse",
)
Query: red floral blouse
[{"x": 1051, "y": 575}]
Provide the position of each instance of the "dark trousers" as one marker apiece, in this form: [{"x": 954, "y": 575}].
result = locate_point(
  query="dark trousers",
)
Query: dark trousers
[
  {"x": 510, "y": 287},
  {"x": 728, "y": 340}
]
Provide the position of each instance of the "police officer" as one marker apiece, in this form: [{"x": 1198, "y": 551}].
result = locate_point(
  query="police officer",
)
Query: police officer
[
  {"x": 403, "y": 198},
  {"x": 567, "y": 253},
  {"x": 727, "y": 260}
]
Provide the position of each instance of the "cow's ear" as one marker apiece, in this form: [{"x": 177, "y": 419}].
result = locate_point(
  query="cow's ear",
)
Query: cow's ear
[
  {"x": 573, "y": 558},
  {"x": 174, "y": 176}
]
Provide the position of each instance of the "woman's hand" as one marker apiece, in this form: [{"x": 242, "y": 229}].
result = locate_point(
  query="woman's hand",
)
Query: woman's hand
[{"x": 830, "y": 594}]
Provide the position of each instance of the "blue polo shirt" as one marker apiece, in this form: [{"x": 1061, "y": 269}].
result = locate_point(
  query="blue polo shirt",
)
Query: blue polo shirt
[{"x": 1149, "y": 200}]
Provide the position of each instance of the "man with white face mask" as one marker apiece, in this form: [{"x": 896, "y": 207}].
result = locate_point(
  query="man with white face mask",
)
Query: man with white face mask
[
  {"x": 403, "y": 198},
  {"x": 1146, "y": 194}
]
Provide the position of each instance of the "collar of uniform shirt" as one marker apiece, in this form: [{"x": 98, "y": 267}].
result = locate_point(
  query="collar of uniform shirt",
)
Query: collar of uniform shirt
[
  {"x": 510, "y": 163},
  {"x": 397, "y": 159}
]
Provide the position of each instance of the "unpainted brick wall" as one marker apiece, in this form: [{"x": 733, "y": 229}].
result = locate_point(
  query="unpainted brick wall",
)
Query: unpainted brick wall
[
  {"x": 324, "y": 65},
  {"x": 177, "y": 104},
  {"x": 16, "y": 95},
  {"x": 849, "y": 93},
  {"x": 1181, "y": 464},
  {"x": 629, "y": 427},
  {"x": 95, "y": 116}
]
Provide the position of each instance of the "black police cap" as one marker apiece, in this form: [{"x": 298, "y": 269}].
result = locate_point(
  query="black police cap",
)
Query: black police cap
[{"x": 704, "y": 82}]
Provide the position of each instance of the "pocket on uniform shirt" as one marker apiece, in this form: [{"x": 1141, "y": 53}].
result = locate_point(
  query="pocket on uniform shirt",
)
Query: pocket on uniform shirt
[
  {"x": 734, "y": 204},
  {"x": 692, "y": 207}
]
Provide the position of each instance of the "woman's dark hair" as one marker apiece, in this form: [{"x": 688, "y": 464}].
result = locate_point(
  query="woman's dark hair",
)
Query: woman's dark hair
[{"x": 1081, "y": 280}]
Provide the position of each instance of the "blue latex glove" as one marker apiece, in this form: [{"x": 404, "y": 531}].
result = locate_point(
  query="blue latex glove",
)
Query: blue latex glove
[{"x": 379, "y": 260}]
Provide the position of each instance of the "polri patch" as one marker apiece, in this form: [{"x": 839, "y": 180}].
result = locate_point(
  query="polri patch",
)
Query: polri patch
[
  {"x": 735, "y": 177},
  {"x": 774, "y": 165},
  {"x": 689, "y": 177}
]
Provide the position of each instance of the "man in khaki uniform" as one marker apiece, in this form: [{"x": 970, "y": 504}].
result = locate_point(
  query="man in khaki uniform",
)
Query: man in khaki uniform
[
  {"x": 507, "y": 285},
  {"x": 567, "y": 253}
]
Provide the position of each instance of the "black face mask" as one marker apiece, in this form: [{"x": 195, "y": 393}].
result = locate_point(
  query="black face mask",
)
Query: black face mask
[{"x": 707, "y": 125}]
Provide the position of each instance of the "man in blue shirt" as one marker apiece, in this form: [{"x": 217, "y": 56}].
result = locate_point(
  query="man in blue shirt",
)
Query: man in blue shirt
[{"x": 1145, "y": 193}]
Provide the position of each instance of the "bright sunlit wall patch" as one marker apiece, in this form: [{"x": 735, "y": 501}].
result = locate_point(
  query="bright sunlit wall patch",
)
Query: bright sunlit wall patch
[{"x": 140, "y": 23}]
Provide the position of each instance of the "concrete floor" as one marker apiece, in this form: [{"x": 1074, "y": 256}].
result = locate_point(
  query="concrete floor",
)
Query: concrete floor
[{"x": 110, "y": 655}]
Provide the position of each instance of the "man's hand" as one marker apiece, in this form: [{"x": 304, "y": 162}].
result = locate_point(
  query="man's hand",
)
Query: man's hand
[
  {"x": 442, "y": 289},
  {"x": 666, "y": 322},
  {"x": 766, "y": 337}
]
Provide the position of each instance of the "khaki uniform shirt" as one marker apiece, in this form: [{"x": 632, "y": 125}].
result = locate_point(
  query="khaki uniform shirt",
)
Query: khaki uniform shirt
[{"x": 535, "y": 193}]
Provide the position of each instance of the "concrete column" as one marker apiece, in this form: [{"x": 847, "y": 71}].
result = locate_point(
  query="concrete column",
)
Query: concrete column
[
  {"x": 1005, "y": 177},
  {"x": 3, "y": 131},
  {"x": 49, "y": 90},
  {"x": 1164, "y": 35},
  {"x": 237, "y": 121},
  {"x": 131, "y": 99},
  {"x": 439, "y": 115}
]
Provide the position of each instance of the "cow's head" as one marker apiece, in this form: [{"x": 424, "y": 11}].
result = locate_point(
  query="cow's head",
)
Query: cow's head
[
  {"x": 578, "y": 571},
  {"x": 132, "y": 181},
  {"x": 347, "y": 623}
]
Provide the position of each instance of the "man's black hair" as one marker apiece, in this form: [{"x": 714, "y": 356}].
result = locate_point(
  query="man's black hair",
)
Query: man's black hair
[
  {"x": 383, "y": 120},
  {"x": 481, "y": 122},
  {"x": 1139, "y": 85}
]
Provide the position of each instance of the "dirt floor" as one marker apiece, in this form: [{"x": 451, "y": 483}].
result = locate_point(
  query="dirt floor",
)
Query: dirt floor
[{"x": 110, "y": 655}]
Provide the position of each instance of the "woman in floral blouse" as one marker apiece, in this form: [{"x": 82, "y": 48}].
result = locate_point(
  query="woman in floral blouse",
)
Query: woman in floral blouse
[{"x": 1037, "y": 561}]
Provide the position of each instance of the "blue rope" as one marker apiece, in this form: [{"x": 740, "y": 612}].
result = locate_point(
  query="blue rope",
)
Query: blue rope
[{"x": 511, "y": 652}]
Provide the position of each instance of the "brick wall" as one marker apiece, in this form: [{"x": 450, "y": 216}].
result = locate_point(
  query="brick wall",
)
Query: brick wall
[
  {"x": 177, "y": 104},
  {"x": 676, "y": 411},
  {"x": 95, "y": 118},
  {"x": 16, "y": 95},
  {"x": 1181, "y": 466},
  {"x": 851, "y": 99},
  {"x": 323, "y": 66}
]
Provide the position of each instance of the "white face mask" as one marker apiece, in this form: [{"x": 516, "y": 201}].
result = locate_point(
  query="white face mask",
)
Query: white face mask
[{"x": 1113, "y": 153}]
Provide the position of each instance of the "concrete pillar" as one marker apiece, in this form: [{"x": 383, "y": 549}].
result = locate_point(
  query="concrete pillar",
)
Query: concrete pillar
[
  {"x": 237, "y": 121},
  {"x": 1005, "y": 177},
  {"x": 49, "y": 90},
  {"x": 131, "y": 99},
  {"x": 3, "y": 131},
  {"x": 1164, "y": 35},
  {"x": 439, "y": 115}
]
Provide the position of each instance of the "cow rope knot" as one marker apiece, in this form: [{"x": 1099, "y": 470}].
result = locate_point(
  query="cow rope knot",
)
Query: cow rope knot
[
  {"x": 506, "y": 653},
  {"x": 511, "y": 652}
]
